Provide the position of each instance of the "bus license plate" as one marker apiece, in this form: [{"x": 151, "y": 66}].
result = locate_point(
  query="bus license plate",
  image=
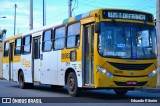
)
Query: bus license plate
[{"x": 131, "y": 83}]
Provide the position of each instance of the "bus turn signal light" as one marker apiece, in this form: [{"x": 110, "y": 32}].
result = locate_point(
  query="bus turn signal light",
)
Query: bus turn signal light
[{"x": 104, "y": 71}]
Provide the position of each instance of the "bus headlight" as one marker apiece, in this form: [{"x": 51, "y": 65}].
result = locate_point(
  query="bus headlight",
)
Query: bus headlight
[
  {"x": 104, "y": 71},
  {"x": 152, "y": 74}
]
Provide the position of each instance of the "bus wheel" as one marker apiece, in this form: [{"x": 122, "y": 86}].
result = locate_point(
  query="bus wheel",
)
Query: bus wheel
[
  {"x": 22, "y": 84},
  {"x": 72, "y": 85},
  {"x": 120, "y": 91}
]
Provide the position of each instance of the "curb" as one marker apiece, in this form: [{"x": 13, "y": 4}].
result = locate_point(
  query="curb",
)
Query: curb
[{"x": 150, "y": 90}]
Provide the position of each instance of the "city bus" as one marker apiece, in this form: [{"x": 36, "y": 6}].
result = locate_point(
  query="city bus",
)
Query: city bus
[{"x": 101, "y": 49}]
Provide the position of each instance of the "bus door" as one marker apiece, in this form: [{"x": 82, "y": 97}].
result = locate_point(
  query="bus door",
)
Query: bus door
[
  {"x": 11, "y": 61},
  {"x": 88, "y": 55},
  {"x": 36, "y": 59}
]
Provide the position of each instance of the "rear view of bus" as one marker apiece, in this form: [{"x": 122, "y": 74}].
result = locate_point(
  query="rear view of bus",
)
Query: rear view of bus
[{"x": 126, "y": 50}]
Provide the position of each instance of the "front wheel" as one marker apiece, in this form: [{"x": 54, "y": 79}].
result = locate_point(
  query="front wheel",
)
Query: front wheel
[
  {"x": 120, "y": 91},
  {"x": 72, "y": 85}
]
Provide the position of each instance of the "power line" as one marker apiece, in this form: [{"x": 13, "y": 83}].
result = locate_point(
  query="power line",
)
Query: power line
[{"x": 75, "y": 6}]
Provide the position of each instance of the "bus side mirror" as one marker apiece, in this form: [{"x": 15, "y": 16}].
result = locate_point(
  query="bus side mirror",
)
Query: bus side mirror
[{"x": 97, "y": 27}]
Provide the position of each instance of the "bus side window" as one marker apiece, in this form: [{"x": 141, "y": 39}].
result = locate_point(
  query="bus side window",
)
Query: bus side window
[
  {"x": 17, "y": 50},
  {"x": 6, "y": 49},
  {"x": 73, "y": 35},
  {"x": 46, "y": 42},
  {"x": 59, "y": 40},
  {"x": 26, "y": 44}
]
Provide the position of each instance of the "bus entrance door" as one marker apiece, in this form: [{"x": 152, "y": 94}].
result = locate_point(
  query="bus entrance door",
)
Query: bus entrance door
[
  {"x": 36, "y": 59},
  {"x": 11, "y": 61},
  {"x": 88, "y": 55}
]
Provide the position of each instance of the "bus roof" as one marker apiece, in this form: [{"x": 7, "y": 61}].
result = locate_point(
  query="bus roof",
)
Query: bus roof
[
  {"x": 93, "y": 12},
  {"x": 13, "y": 37},
  {"x": 72, "y": 19}
]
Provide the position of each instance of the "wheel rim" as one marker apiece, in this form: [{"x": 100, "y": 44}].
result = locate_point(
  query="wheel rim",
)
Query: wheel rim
[{"x": 71, "y": 84}]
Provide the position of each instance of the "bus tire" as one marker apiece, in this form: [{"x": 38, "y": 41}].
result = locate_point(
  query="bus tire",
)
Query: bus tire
[
  {"x": 72, "y": 85},
  {"x": 120, "y": 91},
  {"x": 22, "y": 84}
]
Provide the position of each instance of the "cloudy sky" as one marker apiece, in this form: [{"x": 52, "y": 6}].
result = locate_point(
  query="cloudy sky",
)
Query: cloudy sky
[{"x": 57, "y": 10}]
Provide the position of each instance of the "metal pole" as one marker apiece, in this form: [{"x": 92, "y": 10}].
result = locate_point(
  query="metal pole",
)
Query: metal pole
[
  {"x": 158, "y": 34},
  {"x": 31, "y": 15},
  {"x": 69, "y": 8},
  {"x": 44, "y": 12},
  {"x": 15, "y": 19}
]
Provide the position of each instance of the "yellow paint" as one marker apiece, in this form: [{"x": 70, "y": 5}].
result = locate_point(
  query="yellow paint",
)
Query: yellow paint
[
  {"x": 5, "y": 60},
  {"x": 65, "y": 54},
  {"x": 11, "y": 40},
  {"x": 88, "y": 20},
  {"x": 17, "y": 59},
  {"x": 71, "y": 19},
  {"x": 103, "y": 81},
  {"x": 41, "y": 64}
]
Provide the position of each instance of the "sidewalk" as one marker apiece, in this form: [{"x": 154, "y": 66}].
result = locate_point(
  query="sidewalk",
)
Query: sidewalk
[{"x": 150, "y": 90}]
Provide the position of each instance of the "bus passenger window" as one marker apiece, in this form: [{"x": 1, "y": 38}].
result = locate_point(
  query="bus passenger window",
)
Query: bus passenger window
[
  {"x": 59, "y": 39},
  {"x": 73, "y": 35},
  {"x": 17, "y": 49},
  {"x": 47, "y": 44},
  {"x": 26, "y": 44},
  {"x": 6, "y": 49}
]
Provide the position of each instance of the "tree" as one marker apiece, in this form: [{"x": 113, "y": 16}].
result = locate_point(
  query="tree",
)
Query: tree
[{"x": 2, "y": 33}]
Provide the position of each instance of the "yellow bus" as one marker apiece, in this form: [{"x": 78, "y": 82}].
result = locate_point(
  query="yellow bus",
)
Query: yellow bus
[{"x": 101, "y": 49}]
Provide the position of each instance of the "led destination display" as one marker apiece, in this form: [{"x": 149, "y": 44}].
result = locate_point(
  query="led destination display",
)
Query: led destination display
[{"x": 122, "y": 14}]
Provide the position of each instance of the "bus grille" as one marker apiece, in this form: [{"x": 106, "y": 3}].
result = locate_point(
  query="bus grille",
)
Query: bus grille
[
  {"x": 122, "y": 66},
  {"x": 125, "y": 83}
]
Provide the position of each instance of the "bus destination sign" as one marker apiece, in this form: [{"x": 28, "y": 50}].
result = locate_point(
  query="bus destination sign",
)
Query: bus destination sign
[{"x": 119, "y": 14}]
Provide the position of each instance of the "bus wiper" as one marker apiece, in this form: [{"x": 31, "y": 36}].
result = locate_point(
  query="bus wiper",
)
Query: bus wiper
[{"x": 114, "y": 22}]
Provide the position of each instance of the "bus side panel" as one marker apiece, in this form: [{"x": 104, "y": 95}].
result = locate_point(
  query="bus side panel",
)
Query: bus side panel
[
  {"x": 26, "y": 66},
  {"x": 49, "y": 68},
  {"x": 64, "y": 63},
  {"x": 62, "y": 66},
  {"x": 16, "y": 67},
  {"x": 6, "y": 71},
  {"x": 6, "y": 68}
]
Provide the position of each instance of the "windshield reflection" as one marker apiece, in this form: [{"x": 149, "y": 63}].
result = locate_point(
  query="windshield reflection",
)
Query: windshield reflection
[{"x": 127, "y": 40}]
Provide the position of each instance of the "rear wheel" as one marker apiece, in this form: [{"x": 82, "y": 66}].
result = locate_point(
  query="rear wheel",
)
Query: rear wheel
[
  {"x": 22, "y": 83},
  {"x": 120, "y": 91},
  {"x": 72, "y": 85}
]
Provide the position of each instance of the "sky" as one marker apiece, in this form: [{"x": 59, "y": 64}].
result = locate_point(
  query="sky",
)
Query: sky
[{"x": 57, "y": 10}]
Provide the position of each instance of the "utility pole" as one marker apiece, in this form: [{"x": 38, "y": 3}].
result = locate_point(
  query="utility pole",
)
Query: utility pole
[
  {"x": 15, "y": 6},
  {"x": 44, "y": 12},
  {"x": 31, "y": 15},
  {"x": 69, "y": 8},
  {"x": 158, "y": 34}
]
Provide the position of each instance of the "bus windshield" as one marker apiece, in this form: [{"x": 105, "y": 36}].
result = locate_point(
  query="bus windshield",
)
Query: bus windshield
[{"x": 127, "y": 40}]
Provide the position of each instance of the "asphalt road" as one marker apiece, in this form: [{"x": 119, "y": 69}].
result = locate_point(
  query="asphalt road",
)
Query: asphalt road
[{"x": 44, "y": 92}]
